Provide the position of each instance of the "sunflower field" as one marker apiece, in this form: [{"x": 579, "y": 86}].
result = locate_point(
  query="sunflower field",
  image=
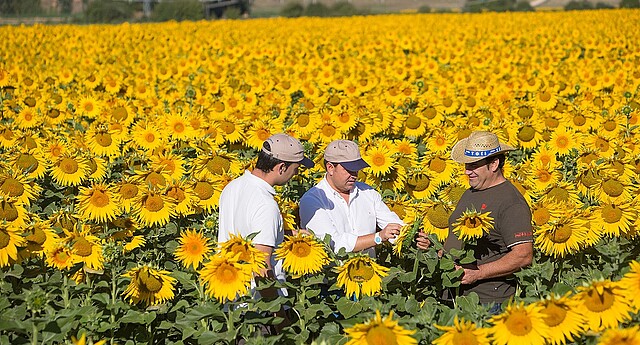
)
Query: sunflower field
[{"x": 116, "y": 141}]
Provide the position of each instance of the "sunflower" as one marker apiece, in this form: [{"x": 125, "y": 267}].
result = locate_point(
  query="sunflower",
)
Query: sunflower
[
  {"x": 302, "y": 254},
  {"x": 613, "y": 189},
  {"x": 28, "y": 118},
  {"x": 443, "y": 167},
  {"x": 258, "y": 132},
  {"x": 85, "y": 247},
  {"x": 128, "y": 189},
  {"x": 193, "y": 248},
  {"x": 89, "y": 106},
  {"x": 246, "y": 251},
  {"x": 148, "y": 285},
  {"x": 184, "y": 196},
  {"x": 153, "y": 177},
  {"x": 102, "y": 141},
  {"x": 380, "y": 331},
  {"x": 621, "y": 336},
  {"x": 436, "y": 220},
  {"x": 232, "y": 132},
  {"x": 12, "y": 212},
  {"x": 99, "y": 203},
  {"x": 225, "y": 277},
  {"x": 360, "y": 274},
  {"x": 170, "y": 163},
  {"x": 520, "y": 324},
  {"x": 179, "y": 128},
  {"x": 126, "y": 227},
  {"x": 31, "y": 162},
  {"x": 562, "y": 236},
  {"x": 415, "y": 125},
  {"x": 631, "y": 284},
  {"x": 152, "y": 208},
  {"x": 208, "y": 193},
  {"x": 472, "y": 224},
  {"x": 462, "y": 333},
  {"x": 380, "y": 160},
  {"x": 304, "y": 124},
  {"x": 70, "y": 170},
  {"x": 614, "y": 218},
  {"x": 543, "y": 176},
  {"x": 39, "y": 235},
  {"x": 10, "y": 240},
  {"x": 147, "y": 136},
  {"x": 212, "y": 164},
  {"x": 421, "y": 184},
  {"x": 563, "y": 140},
  {"x": 16, "y": 185},
  {"x": 563, "y": 319},
  {"x": 603, "y": 304},
  {"x": 60, "y": 256}
]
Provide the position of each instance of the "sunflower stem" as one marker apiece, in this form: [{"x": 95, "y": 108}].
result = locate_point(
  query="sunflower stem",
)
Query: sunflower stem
[
  {"x": 416, "y": 263},
  {"x": 65, "y": 291},
  {"x": 114, "y": 290},
  {"x": 34, "y": 333}
]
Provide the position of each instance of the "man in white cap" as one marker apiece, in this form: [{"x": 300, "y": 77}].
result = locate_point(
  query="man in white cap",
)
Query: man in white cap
[
  {"x": 347, "y": 210},
  {"x": 247, "y": 205},
  {"x": 508, "y": 247}
]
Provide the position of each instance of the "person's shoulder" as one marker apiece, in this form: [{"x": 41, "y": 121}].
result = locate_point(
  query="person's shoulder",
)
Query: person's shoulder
[
  {"x": 365, "y": 187},
  {"x": 314, "y": 192}
]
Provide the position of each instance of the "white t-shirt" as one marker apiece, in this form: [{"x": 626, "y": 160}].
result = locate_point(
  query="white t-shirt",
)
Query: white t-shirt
[
  {"x": 324, "y": 211},
  {"x": 247, "y": 206}
]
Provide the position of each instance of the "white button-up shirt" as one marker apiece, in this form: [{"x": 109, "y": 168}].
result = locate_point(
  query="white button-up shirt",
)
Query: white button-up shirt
[
  {"x": 247, "y": 206},
  {"x": 324, "y": 211}
]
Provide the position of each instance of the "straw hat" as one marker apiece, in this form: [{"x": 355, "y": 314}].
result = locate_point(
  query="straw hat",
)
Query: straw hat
[{"x": 478, "y": 146}]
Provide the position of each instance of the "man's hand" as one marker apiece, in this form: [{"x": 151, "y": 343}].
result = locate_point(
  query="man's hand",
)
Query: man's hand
[
  {"x": 390, "y": 231},
  {"x": 471, "y": 273},
  {"x": 422, "y": 241}
]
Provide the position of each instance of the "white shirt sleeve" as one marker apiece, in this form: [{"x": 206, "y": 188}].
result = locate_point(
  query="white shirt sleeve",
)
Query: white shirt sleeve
[{"x": 315, "y": 216}]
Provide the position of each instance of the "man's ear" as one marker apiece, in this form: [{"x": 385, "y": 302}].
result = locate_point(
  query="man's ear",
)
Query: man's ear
[{"x": 494, "y": 165}]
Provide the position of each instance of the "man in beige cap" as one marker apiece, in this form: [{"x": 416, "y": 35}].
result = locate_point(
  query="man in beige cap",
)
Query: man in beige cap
[
  {"x": 347, "y": 210},
  {"x": 508, "y": 247},
  {"x": 247, "y": 205}
]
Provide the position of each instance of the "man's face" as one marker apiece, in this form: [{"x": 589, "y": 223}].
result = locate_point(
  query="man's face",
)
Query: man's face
[
  {"x": 482, "y": 173},
  {"x": 286, "y": 172},
  {"x": 340, "y": 178}
]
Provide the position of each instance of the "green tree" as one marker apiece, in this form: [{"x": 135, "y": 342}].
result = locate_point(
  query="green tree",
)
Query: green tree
[
  {"x": 630, "y": 4},
  {"x": 178, "y": 10}
]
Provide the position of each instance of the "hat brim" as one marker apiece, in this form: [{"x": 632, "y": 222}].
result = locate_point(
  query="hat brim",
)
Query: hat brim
[
  {"x": 457, "y": 153},
  {"x": 356, "y": 165},
  {"x": 308, "y": 163}
]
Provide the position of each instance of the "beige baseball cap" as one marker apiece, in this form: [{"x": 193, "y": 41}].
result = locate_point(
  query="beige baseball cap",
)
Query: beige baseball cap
[
  {"x": 287, "y": 149},
  {"x": 345, "y": 153},
  {"x": 478, "y": 146}
]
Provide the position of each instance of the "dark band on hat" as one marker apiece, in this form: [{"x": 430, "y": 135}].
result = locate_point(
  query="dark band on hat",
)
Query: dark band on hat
[{"x": 471, "y": 153}]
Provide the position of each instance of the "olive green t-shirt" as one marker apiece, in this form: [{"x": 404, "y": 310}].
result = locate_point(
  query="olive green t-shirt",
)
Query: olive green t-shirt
[{"x": 512, "y": 225}]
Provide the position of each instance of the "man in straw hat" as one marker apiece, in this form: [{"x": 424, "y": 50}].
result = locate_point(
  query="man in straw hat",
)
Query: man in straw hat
[
  {"x": 508, "y": 247},
  {"x": 247, "y": 205},
  {"x": 347, "y": 210}
]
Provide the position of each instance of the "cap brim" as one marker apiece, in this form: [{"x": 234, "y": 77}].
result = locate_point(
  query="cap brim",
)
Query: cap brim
[
  {"x": 308, "y": 163},
  {"x": 356, "y": 165}
]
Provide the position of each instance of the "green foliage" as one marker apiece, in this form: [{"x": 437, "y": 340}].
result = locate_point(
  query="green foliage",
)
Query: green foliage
[
  {"x": 339, "y": 9},
  {"x": 317, "y": 9},
  {"x": 20, "y": 7},
  {"x": 343, "y": 8},
  {"x": 603, "y": 5},
  {"x": 232, "y": 13},
  {"x": 578, "y": 5},
  {"x": 523, "y": 6},
  {"x": 424, "y": 9},
  {"x": 629, "y": 4},
  {"x": 108, "y": 11},
  {"x": 178, "y": 10},
  {"x": 292, "y": 10}
]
